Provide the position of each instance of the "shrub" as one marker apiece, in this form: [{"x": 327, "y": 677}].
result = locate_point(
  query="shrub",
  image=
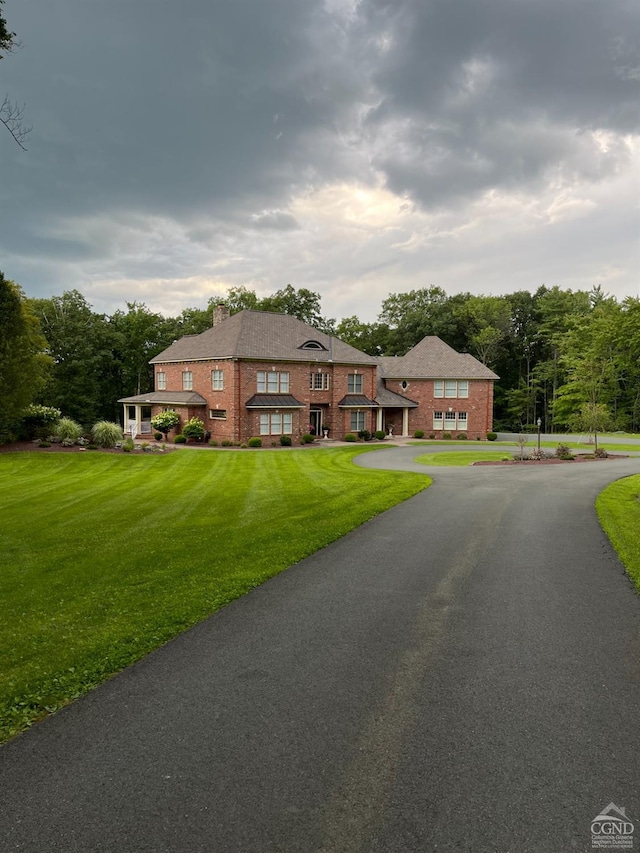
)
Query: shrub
[
  {"x": 380, "y": 434},
  {"x": 128, "y": 445},
  {"x": 92, "y": 446},
  {"x": 164, "y": 422},
  {"x": 491, "y": 436},
  {"x": 106, "y": 434},
  {"x": 40, "y": 421},
  {"x": 462, "y": 436},
  {"x": 194, "y": 428},
  {"x": 285, "y": 440},
  {"x": 226, "y": 443},
  {"x": 446, "y": 435},
  {"x": 350, "y": 436},
  {"x": 158, "y": 436},
  {"x": 243, "y": 446},
  {"x": 419, "y": 433},
  {"x": 364, "y": 434},
  {"x": 538, "y": 454},
  {"x": 432, "y": 435},
  {"x": 180, "y": 439},
  {"x": 563, "y": 451},
  {"x": 255, "y": 442},
  {"x": 213, "y": 442},
  {"x": 44, "y": 444},
  {"x": 307, "y": 438},
  {"x": 68, "y": 430},
  {"x": 601, "y": 453}
]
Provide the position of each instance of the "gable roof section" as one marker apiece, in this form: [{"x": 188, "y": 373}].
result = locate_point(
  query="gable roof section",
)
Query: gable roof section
[
  {"x": 433, "y": 359},
  {"x": 265, "y": 336}
]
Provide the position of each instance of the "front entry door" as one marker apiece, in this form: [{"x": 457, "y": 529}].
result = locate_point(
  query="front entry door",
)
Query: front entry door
[{"x": 315, "y": 422}]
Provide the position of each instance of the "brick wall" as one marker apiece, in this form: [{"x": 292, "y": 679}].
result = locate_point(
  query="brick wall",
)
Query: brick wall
[
  {"x": 478, "y": 406},
  {"x": 240, "y": 384}
]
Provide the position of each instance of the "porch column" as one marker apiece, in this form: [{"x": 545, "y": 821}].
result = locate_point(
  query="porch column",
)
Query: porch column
[
  {"x": 405, "y": 422},
  {"x": 379, "y": 420}
]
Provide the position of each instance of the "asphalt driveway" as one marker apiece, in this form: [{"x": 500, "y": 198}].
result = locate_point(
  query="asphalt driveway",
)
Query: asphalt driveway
[{"x": 461, "y": 673}]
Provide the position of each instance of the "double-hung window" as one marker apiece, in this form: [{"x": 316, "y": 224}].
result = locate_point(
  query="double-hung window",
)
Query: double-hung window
[
  {"x": 187, "y": 380},
  {"x": 161, "y": 381},
  {"x": 450, "y": 388},
  {"x": 437, "y": 420},
  {"x": 318, "y": 381},
  {"x": 217, "y": 380},
  {"x": 354, "y": 384},
  {"x": 270, "y": 382},
  {"x": 276, "y": 423},
  {"x": 357, "y": 421},
  {"x": 462, "y": 421},
  {"x": 449, "y": 420}
]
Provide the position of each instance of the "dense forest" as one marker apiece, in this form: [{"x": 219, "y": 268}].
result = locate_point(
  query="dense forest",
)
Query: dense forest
[{"x": 571, "y": 359}]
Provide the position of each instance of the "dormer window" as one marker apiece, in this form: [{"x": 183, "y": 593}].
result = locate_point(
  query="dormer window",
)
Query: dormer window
[{"x": 314, "y": 345}]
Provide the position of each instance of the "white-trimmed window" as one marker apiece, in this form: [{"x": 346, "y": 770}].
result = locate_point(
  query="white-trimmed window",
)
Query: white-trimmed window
[
  {"x": 318, "y": 381},
  {"x": 354, "y": 384},
  {"x": 437, "y": 420},
  {"x": 270, "y": 382},
  {"x": 218, "y": 414},
  {"x": 357, "y": 421},
  {"x": 187, "y": 380},
  {"x": 462, "y": 421},
  {"x": 276, "y": 423},
  {"x": 217, "y": 380},
  {"x": 161, "y": 381},
  {"x": 449, "y": 420},
  {"x": 450, "y": 388}
]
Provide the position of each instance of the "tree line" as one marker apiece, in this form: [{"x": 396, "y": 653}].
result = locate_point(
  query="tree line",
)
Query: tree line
[{"x": 568, "y": 358}]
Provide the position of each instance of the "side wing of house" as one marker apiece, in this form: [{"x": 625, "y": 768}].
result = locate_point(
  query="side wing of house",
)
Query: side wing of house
[{"x": 437, "y": 390}]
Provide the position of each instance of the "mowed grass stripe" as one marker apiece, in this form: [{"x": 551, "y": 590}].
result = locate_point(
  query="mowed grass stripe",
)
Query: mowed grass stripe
[
  {"x": 618, "y": 508},
  {"x": 104, "y": 557}
]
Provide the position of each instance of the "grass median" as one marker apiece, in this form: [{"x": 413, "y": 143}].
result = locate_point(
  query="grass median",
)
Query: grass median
[
  {"x": 618, "y": 508},
  {"x": 463, "y": 457},
  {"x": 107, "y": 557}
]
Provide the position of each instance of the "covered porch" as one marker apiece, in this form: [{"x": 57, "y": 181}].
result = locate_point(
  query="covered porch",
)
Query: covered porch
[
  {"x": 393, "y": 412},
  {"x": 138, "y": 410}
]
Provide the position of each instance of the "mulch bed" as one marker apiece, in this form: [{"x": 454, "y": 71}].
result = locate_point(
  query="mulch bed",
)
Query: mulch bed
[
  {"x": 20, "y": 446},
  {"x": 580, "y": 457}
]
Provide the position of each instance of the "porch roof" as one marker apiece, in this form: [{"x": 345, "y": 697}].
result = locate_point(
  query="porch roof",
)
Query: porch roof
[
  {"x": 387, "y": 399},
  {"x": 357, "y": 401},
  {"x": 273, "y": 401},
  {"x": 167, "y": 398}
]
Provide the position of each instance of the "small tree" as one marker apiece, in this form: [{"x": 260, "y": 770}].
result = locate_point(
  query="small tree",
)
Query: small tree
[
  {"x": 592, "y": 418},
  {"x": 165, "y": 422},
  {"x": 521, "y": 441},
  {"x": 40, "y": 421},
  {"x": 194, "y": 428}
]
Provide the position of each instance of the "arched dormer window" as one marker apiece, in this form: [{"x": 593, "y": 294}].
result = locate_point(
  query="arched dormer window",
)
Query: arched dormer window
[{"x": 316, "y": 345}]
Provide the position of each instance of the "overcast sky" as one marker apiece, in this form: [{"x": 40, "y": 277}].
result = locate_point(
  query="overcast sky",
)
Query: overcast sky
[{"x": 354, "y": 148}]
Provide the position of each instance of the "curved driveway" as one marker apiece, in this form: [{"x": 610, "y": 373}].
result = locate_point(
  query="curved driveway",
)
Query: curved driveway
[{"x": 461, "y": 673}]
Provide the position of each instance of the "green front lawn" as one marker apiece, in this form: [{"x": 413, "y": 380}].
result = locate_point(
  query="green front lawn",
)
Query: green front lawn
[
  {"x": 618, "y": 508},
  {"x": 107, "y": 556}
]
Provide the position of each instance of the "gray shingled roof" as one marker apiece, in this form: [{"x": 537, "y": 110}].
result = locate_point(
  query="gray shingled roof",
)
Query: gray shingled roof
[
  {"x": 433, "y": 359},
  {"x": 261, "y": 335},
  {"x": 390, "y": 400},
  {"x": 167, "y": 398}
]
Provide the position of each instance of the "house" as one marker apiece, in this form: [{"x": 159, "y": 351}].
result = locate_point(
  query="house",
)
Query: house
[{"x": 262, "y": 374}]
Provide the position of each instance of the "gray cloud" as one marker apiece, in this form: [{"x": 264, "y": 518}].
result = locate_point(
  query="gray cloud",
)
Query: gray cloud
[{"x": 206, "y": 142}]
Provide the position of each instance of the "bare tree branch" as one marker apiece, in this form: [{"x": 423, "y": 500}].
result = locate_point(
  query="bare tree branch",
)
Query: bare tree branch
[{"x": 12, "y": 117}]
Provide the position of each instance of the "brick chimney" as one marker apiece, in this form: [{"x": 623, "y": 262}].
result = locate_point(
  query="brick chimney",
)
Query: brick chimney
[{"x": 220, "y": 313}]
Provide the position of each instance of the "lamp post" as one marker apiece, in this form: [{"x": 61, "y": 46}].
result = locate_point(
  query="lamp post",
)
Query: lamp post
[{"x": 539, "y": 425}]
